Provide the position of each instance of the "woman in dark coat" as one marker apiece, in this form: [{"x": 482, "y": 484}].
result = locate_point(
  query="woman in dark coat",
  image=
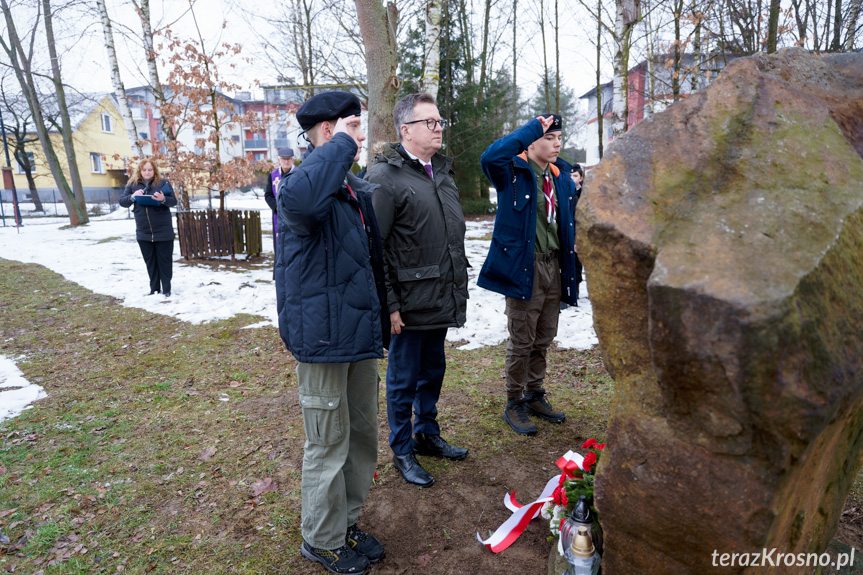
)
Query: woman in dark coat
[{"x": 153, "y": 199}]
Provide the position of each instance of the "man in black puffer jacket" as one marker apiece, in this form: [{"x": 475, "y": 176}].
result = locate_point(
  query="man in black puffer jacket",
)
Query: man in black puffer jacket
[
  {"x": 330, "y": 319},
  {"x": 422, "y": 227}
]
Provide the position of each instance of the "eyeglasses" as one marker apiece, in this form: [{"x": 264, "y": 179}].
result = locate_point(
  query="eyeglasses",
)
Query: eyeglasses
[{"x": 430, "y": 124}]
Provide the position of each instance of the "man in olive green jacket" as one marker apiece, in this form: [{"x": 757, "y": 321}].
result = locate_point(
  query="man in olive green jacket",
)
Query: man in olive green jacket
[{"x": 422, "y": 228}]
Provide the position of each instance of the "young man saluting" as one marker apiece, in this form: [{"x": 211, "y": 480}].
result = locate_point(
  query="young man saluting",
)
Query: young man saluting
[
  {"x": 329, "y": 318},
  {"x": 532, "y": 258}
]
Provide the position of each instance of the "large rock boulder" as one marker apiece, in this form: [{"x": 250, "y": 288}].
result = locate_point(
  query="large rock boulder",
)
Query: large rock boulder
[{"x": 723, "y": 247}]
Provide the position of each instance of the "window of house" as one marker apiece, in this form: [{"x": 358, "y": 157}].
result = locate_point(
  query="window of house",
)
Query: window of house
[
  {"x": 236, "y": 139},
  {"x": 281, "y": 114},
  {"x": 260, "y": 156},
  {"x": 143, "y": 136},
  {"x": 107, "y": 124},
  {"x": 30, "y": 160},
  {"x": 96, "y": 163}
]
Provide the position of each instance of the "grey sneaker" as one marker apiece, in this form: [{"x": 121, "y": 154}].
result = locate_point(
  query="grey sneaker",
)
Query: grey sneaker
[{"x": 516, "y": 416}]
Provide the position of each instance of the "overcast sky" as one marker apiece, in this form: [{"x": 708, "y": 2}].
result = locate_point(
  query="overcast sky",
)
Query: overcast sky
[{"x": 84, "y": 58}]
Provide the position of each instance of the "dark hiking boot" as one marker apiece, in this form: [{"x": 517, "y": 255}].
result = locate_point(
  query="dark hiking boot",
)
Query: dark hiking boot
[
  {"x": 539, "y": 406},
  {"x": 436, "y": 446},
  {"x": 365, "y": 544},
  {"x": 516, "y": 416},
  {"x": 341, "y": 560}
]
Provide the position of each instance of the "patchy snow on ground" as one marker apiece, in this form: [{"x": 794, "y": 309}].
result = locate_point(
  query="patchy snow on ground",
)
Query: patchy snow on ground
[
  {"x": 16, "y": 393},
  {"x": 103, "y": 256}
]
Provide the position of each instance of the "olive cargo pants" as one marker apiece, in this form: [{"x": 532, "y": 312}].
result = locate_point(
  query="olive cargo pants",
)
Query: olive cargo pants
[{"x": 340, "y": 416}]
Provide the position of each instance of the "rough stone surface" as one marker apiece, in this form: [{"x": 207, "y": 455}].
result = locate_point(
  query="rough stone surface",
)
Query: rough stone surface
[{"x": 723, "y": 248}]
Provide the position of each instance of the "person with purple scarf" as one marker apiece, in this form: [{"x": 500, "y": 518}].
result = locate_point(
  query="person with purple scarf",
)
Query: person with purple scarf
[{"x": 286, "y": 164}]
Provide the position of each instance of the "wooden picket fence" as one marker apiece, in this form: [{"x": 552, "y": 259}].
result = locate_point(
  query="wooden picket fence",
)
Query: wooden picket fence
[{"x": 211, "y": 233}]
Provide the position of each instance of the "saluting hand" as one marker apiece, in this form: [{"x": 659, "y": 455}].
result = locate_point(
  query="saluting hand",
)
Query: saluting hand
[{"x": 546, "y": 122}]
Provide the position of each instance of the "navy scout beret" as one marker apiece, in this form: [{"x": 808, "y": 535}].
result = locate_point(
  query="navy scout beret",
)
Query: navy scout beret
[{"x": 327, "y": 106}]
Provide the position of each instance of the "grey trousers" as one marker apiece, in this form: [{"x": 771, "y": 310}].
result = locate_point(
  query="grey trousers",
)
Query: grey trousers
[
  {"x": 532, "y": 326},
  {"x": 340, "y": 416}
]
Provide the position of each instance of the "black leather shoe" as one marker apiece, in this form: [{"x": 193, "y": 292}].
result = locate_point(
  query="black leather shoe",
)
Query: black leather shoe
[
  {"x": 436, "y": 446},
  {"x": 412, "y": 471}
]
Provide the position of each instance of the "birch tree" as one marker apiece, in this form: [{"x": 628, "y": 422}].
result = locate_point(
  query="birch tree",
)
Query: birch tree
[
  {"x": 119, "y": 89},
  {"x": 626, "y": 15},
  {"x": 431, "y": 64}
]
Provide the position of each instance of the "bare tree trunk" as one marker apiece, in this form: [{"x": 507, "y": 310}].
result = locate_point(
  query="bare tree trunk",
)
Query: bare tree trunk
[
  {"x": 378, "y": 28},
  {"x": 837, "y": 27},
  {"x": 21, "y": 158},
  {"x": 851, "y": 26},
  {"x": 773, "y": 27},
  {"x": 544, "y": 55},
  {"x": 651, "y": 35},
  {"x": 556, "y": 59},
  {"x": 431, "y": 67},
  {"x": 77, "y": 196},
  {"x": 675, "y": 68},
  {"x": 695, "y": 77},
  {"x": 599, "y": 115},
  {"x": 168, "y": 129},
  {"x": 466, "y": 42},
  {"x": 310, "y": 66},
  {"x": 483, "y": 69},
  {"x": 119, "y": 89},
  {"x": 21, "y": 64},
  {"x": 214, "y": 109},
  {"x": 625, "y": 17}
]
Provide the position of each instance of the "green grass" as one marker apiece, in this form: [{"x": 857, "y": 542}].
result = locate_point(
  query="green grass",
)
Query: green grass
[{"x": 134, "y": 457}]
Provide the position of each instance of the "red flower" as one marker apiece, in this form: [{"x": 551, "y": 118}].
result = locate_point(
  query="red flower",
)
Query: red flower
[
  {"x": 588, "y": 444},
  {"x": 589, "y": 461},
  {"x": 558, "y": 495},
  {"x": 600, "y": 446}
]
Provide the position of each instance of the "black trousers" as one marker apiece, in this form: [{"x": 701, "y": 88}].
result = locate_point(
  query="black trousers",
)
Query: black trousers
[{"x": 159, "y": 257}]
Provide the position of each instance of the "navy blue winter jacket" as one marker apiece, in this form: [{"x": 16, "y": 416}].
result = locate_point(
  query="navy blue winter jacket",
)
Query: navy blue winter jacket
[
  {"x": 328, "y": 303},
  {"x": 508, "y": 269}
]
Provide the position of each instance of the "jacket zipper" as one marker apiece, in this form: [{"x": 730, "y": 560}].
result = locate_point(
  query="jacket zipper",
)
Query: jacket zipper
[{"x": 149, "y": 223}]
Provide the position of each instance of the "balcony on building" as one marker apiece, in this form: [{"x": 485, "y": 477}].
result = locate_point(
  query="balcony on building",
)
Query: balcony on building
[
  {"x": 281, "y": 143},
  {"x": 256, "y": 144}
]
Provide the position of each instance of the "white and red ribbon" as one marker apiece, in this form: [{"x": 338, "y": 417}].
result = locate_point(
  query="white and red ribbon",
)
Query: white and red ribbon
[{"x": 513, "y": 527}]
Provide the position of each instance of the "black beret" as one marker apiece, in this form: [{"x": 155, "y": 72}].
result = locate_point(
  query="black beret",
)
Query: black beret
[
  {"x": 556, "y": 124},
  {"x": 327, "y": 106},
  {"x": 285, "y": 152}
]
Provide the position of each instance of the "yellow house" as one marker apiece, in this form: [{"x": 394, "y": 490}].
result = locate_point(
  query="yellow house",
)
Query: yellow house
[{"x": 98, "y": 135}]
